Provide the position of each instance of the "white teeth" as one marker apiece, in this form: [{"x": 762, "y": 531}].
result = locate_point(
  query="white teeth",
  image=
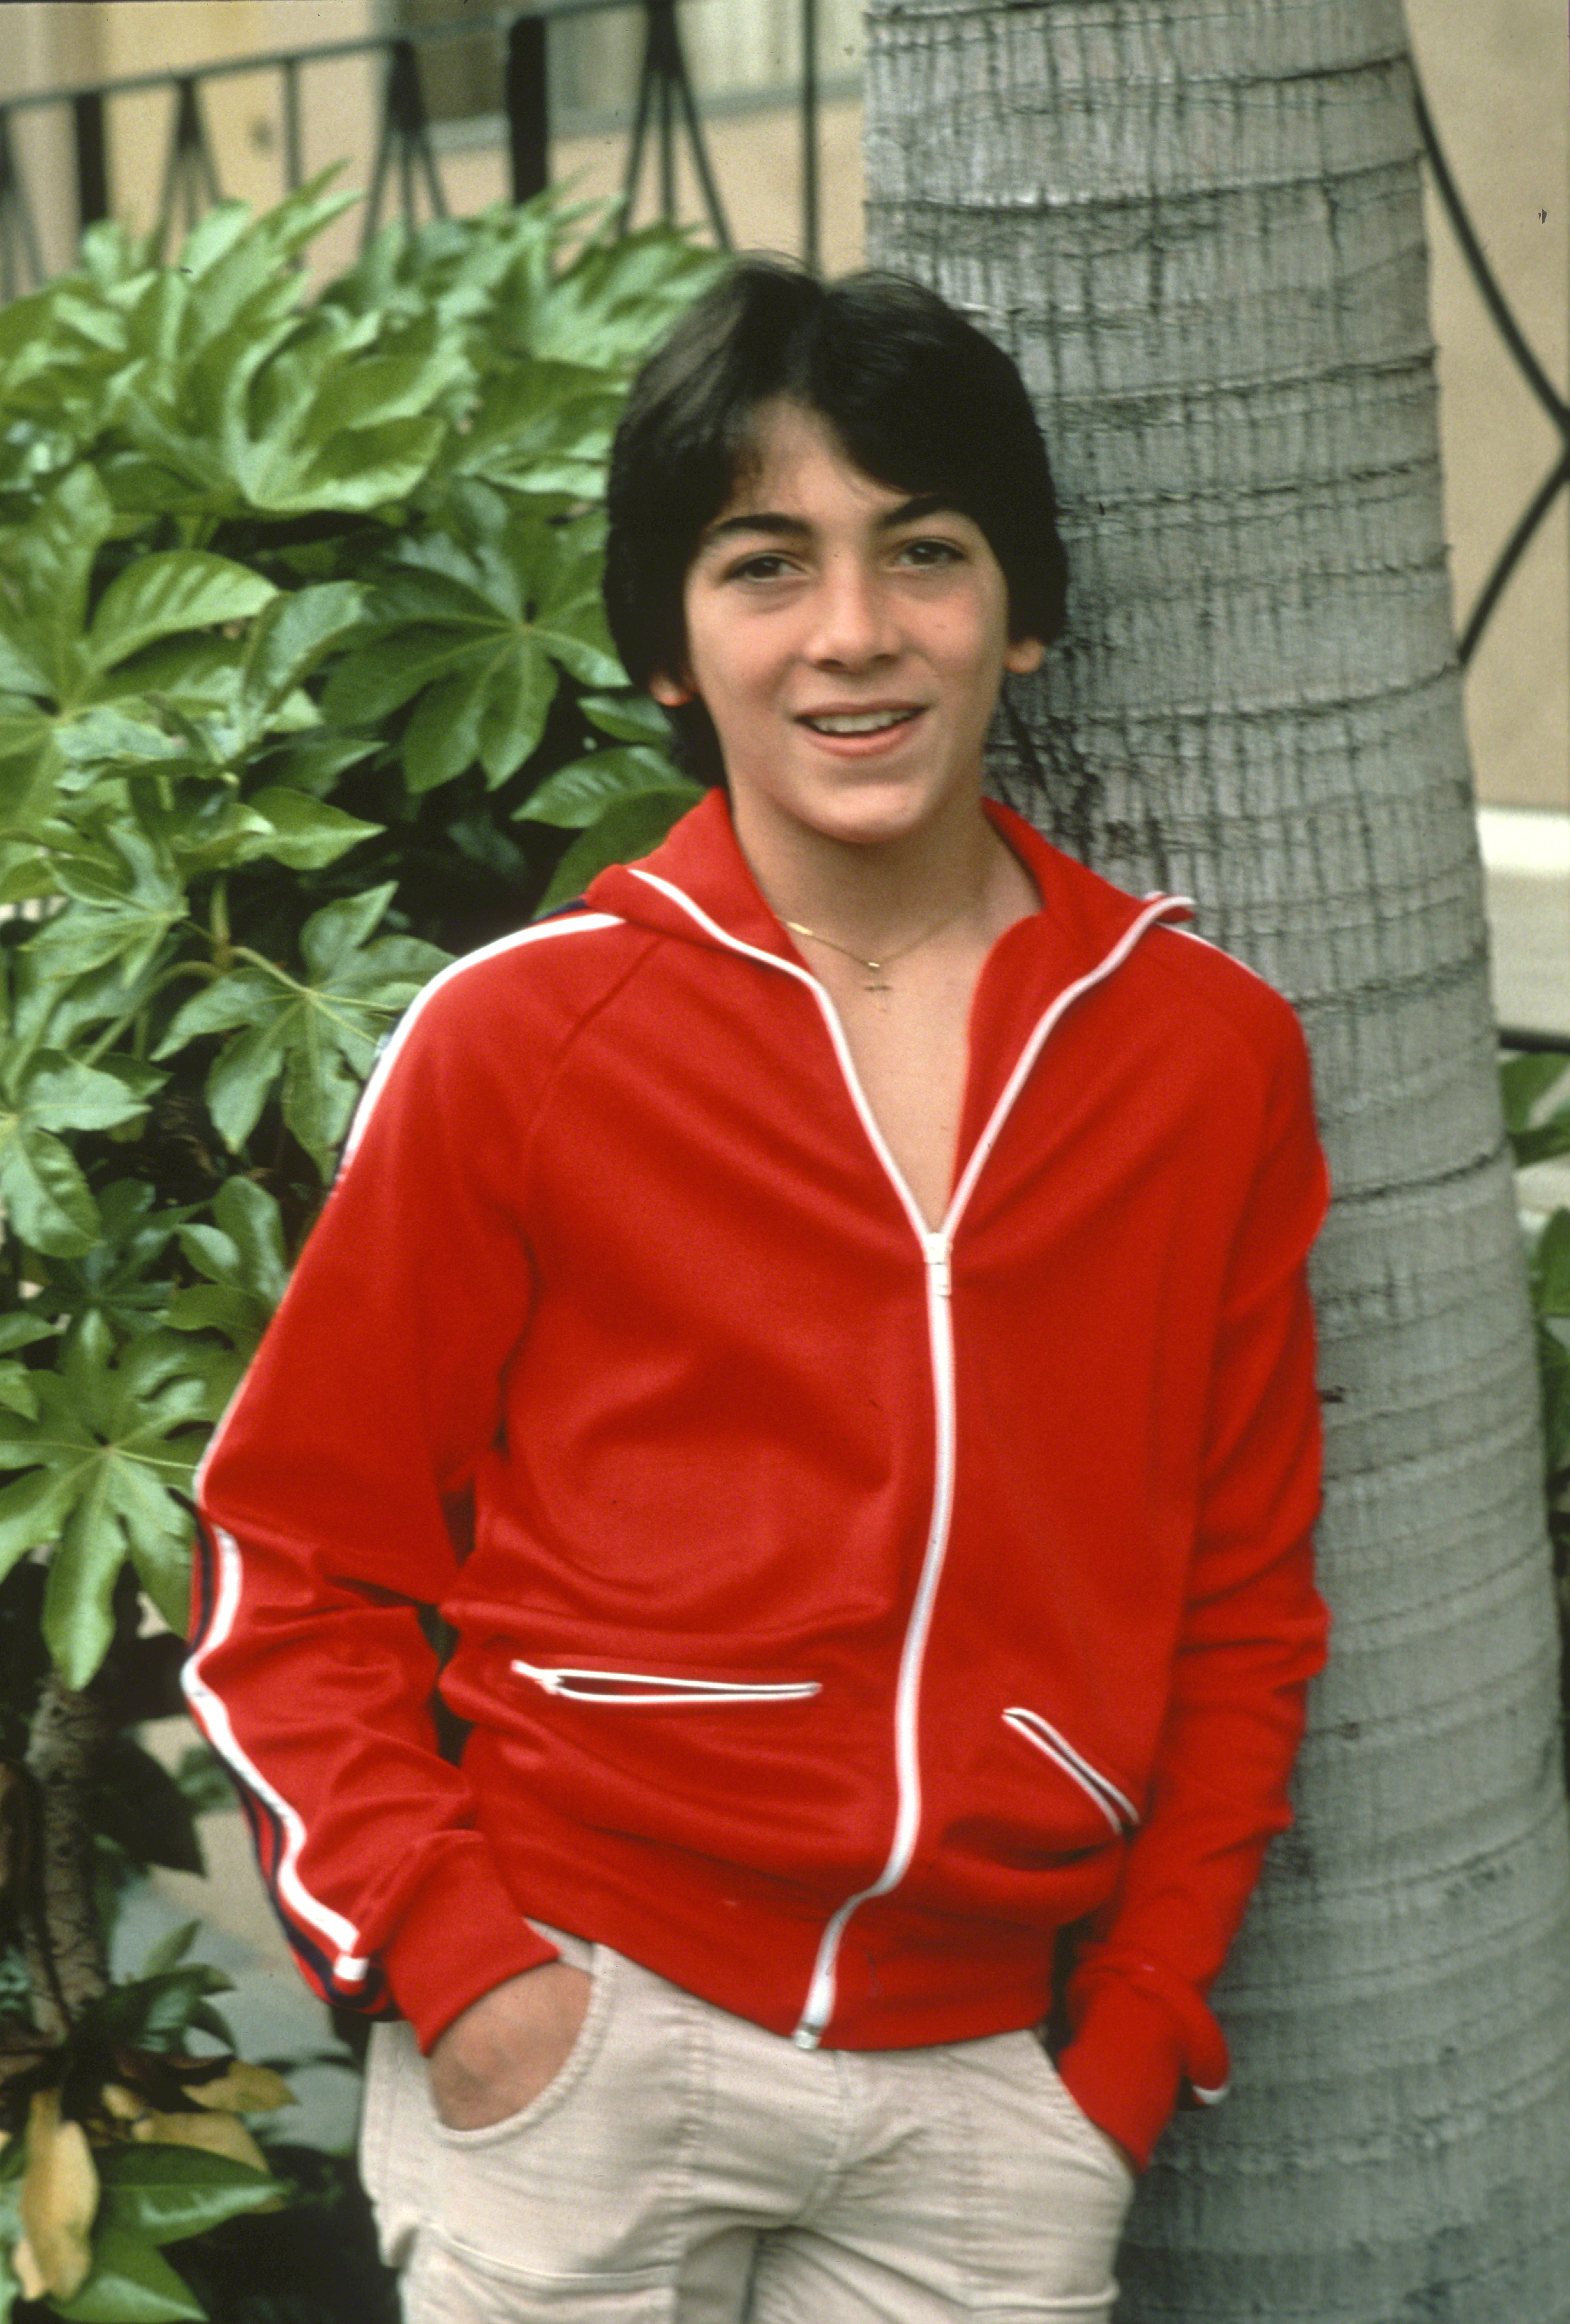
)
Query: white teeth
[{"x": 865, "y": 722}]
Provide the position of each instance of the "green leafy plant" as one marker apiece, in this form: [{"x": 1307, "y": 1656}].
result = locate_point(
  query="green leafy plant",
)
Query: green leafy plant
[
  {"x": 118, "y": 2141},
  {"x": 304, "y": 686},
  {"x": 1536, "y": 1104}
]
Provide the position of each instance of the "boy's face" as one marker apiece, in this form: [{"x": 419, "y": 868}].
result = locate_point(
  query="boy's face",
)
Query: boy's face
[{"x": 848, "y": 643}]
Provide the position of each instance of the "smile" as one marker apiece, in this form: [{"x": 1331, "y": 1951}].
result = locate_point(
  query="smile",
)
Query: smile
[{"x": 859, "y": 721}]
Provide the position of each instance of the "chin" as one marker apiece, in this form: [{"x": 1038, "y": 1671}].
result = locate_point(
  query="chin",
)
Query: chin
[
  {"x": 890, "y": 813},
  {"x": 899, "y": 797},
  {"x": 870, "y": 823}
]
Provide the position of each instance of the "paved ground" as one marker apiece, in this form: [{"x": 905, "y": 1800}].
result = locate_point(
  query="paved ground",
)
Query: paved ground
[
  {"x": 1527, "y": 864},
  {"x": 1527, "y": 860}
]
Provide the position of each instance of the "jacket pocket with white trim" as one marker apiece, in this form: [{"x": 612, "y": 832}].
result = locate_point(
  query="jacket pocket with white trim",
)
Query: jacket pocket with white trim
[
  {"x": 651, "y": 1690},
  {"x": 1112, "y": 1801}
]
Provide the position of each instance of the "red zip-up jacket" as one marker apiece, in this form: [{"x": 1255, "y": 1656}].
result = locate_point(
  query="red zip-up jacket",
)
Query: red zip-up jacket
[{"x": 844, "y": 1607}]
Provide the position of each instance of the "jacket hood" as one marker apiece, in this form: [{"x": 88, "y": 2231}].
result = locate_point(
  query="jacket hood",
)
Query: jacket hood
[{"x": 698, "y": 885}]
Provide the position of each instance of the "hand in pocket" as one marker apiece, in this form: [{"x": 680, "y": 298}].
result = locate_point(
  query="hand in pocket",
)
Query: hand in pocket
[{"x": 508, "y": 2046}]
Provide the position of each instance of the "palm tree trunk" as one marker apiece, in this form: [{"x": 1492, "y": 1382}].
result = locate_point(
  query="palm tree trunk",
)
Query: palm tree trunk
[{"x": 1196, "y": 224}]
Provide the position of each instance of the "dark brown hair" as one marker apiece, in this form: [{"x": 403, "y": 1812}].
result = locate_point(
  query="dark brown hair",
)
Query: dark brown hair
[{"x": 918, "y": 398}]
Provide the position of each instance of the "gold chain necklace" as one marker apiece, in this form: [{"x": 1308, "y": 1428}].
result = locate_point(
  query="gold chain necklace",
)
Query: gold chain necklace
[{"x": 875, "y": 968}]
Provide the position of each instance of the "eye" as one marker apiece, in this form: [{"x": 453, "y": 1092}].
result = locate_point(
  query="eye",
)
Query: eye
[
  {"x": 930, "y": 552},
  {"x": 763, "y": 564}
]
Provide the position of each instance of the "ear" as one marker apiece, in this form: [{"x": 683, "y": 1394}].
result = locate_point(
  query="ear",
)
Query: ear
[
  {"x": 670, "y": 693},
  {"x": 1022, "y": 655}
]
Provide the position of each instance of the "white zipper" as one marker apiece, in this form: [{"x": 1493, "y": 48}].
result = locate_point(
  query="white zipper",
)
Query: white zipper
[
  {"x": 1115, "y": 1804},
  {"x": 821, "y": 1990},
  {"x": 937, "y": 1247},
  {"x": 614, "y": 1688},
  {"x": 936, "y": 1251}
]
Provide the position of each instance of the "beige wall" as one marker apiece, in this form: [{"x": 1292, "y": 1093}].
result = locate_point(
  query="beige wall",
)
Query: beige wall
[
  {"x": 756, "y": 162},
  {"x": 46, "y": 47},
  {"x": 244, "y": 115},
  {"x": 61, "y": 42}
]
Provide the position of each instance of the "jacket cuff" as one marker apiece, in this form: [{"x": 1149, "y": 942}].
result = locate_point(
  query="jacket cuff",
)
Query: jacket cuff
[
  {"x": 459, "y": 1934},
  {"x": 1125, "y": 2066}
]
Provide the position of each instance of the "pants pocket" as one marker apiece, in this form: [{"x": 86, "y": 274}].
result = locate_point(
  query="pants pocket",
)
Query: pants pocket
[
  {"x": 574, "y": 2194},
  {"x": 1047, "y": 2192},
  {"x": 1062, "y": 2099},
  {"x": 446, "y": 2284},
  {"x": 577, "y": 2062}
]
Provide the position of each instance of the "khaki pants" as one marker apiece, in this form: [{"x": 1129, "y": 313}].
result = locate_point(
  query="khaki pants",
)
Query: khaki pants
[{"x": 685, "y": 2167}]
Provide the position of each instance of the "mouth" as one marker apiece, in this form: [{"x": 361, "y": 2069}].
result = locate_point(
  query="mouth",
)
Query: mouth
[{"x": 858, "y": 721}]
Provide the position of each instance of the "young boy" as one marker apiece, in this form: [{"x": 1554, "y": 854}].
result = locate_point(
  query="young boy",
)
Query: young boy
[{"x": 824, "y": 1323}]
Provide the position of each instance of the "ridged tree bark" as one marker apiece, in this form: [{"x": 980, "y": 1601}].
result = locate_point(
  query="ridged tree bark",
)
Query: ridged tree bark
[{"x": 1195, "y": 225}]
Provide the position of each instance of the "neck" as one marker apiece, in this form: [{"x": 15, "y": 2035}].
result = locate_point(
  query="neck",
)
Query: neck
[{"x": 871, "y": 895}]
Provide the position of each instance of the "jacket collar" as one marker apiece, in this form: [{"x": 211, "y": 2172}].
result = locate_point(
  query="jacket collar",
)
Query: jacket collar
[{"x": 698, "y": 885}]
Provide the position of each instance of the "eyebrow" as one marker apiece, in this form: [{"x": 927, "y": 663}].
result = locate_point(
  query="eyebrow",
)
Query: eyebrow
[{"x": 776, "y": 526}]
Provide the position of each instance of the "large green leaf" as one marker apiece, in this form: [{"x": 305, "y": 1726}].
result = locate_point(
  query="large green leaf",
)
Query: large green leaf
[
  {"x": 578, "y": 795},
  {"x": 198, "y": 337},
  {"x": 443, "y": 737},
  {"x": 119, "y": 737},
  {"x": 168, "y": 2193},
  {"x": 52, "y": 557},
  {"x": 124, "y": 1276},
  {"x": 273, "y": 421},
  {"x": 131, "y": 2282},
  {"x": 30, "y": 768},
  {"x": 540, "y": 427},
  {"x": 313, "y": 1038},
  {"x": 21, "y": 661},
  {"x": 45, "y": 1196},
  {"x": 243, "y": 1258},
  {"x": 564, "y": 564},
  {"x": 52, "y": 1007},
  {"x": 120, "y": 907},
  {"x": 1525, "y": 1082},
  {"x": 629, "y": 717},
  {"x": 222, "y": 708},
  {"x": 117, "y": 1437},
  {"x": 156, "y": 2012},
  {"x": 1550, "y": 1273},
  {"x": 1544, "y": 1140},
  {"x": 300, "y": 831},
  {"x": 292, "y": 638},
  {"x": 234, "y": 255},
  {"x": 33, "y": 1510},
  {"x": 480, "y": 629},
  {"x": 626, "y": 830},
  {"x": 331, "y": 423},
  {"x": 171, "y": 591},
  {"x": 380, "y": 677},
  {"x": 1553, "y": 1375},
  {"x": 617, "y": 297},
  {"x": 47, "y": 1200}
]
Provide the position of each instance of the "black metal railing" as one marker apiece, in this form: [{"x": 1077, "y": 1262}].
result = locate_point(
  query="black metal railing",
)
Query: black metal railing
[
  {"x": 1520, "y": 352},
  {"x": 666, "y": 113},
  {"x": 666, "y": 116},
  {"x": 1533, "y": 515}
]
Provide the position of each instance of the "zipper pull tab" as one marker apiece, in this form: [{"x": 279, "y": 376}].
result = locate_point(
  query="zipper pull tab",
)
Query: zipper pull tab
[{"x": 938, "y": 1264}]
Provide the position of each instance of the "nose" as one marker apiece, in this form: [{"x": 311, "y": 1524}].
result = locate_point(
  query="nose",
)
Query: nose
[{"x": 853, "y": 625}]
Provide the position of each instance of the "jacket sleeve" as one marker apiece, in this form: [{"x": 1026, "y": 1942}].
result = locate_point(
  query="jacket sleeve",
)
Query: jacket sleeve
[
  {"x": 330, "y": 1509},
  {"x": 1254, "y": 1634}
]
